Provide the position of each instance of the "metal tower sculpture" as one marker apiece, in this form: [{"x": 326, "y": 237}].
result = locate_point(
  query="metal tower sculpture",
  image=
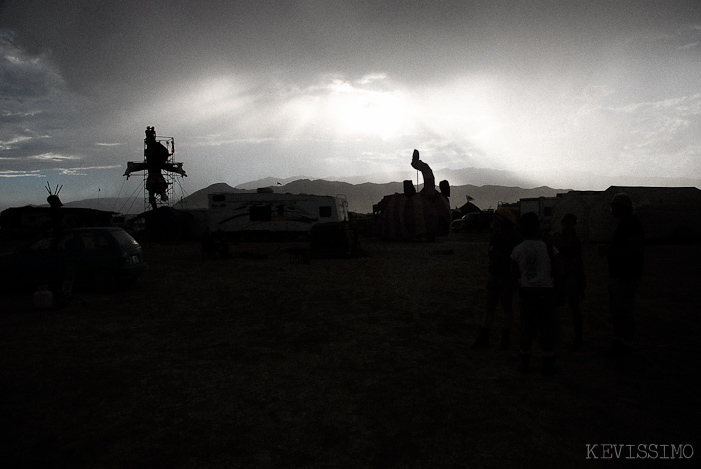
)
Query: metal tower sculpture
[{"x": 158, "y": 157}]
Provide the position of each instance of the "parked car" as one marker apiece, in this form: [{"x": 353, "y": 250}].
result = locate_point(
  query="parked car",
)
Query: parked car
[
  {"x": 101, "y": 258},
  {"x": 475, "y": 221}
]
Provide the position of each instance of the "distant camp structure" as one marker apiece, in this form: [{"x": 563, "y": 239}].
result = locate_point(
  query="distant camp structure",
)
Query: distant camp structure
[
  {"x": 668, "y": 214},
  {"x": 413, "y": 215},
  {"x": 158, "y": 157},
  {"x": 29, "y": 221},
  {"x": 268, "y": 214}
]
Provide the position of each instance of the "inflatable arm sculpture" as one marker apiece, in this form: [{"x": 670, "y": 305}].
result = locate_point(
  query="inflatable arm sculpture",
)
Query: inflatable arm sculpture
[{"x": 414, "y": 215}]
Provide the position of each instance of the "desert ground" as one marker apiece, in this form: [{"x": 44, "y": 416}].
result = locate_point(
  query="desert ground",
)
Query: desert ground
[{"x": 257, "y": 361}]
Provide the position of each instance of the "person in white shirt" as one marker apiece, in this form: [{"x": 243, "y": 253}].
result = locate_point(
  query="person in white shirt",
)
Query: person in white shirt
[{"x": 534, "y": 260}]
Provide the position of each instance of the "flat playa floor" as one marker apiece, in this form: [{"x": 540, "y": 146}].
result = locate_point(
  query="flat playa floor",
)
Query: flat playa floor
[{"x": 364, "y": 362}]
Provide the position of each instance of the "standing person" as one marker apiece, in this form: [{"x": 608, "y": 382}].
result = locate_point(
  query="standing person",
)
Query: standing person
[
  {"x": 625, "y": 260},
  {"x": 501, "y": 282},
  {"x": 533, "y": 259},
  {"x": 572, "y": 273}
]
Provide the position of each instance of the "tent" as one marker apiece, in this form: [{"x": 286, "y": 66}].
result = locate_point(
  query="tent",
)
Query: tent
[
  {"x": 666, "y": 213},
  {"x": 162, "y": 224},
  {"x": 30, "y": 220}
]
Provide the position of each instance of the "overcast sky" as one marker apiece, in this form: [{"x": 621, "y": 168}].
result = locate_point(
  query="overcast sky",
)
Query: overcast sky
[{"x": 257, "y": 88}]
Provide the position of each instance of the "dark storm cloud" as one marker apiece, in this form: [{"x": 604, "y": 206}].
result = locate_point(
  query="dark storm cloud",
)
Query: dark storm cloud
[
  {"x": 34, "y": 102},
  {"x": 252, "y": 87},
  {"x": 128, "y": 43},
  {"x": 97, "y": 42},
  {"x": 22, "y": 77}
]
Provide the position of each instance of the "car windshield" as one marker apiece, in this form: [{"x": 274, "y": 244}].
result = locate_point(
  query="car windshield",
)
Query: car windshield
[{"x": 124, "y": 239}]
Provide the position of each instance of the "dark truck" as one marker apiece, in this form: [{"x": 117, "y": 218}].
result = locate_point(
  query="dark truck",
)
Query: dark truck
[
  {"x": 475, "y": 221},
  {"x": 100, "y": 258}
]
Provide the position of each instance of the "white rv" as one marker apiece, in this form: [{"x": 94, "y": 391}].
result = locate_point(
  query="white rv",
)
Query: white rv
[{"x": 264, "y": 212}]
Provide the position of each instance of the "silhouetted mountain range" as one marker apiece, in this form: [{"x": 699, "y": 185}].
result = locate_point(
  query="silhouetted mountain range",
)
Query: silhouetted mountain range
[
  {"x": 361, "y": 197},
  {"x": 473, "y": 176},
  {"x": 492, "y": 177},
  {"x": 487, "y": 188}
]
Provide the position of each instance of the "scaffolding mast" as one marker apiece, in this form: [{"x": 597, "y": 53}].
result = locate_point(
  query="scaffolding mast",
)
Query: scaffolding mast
[{"x": 169, "y": 143}]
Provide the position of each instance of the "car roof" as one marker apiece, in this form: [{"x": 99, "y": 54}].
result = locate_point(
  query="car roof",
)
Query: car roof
[{"x": 93, "y": 228}]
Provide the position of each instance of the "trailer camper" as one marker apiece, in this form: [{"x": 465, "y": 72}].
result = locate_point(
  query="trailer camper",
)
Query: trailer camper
[
  {"x": 266, "y": 212},
  {"x": 541, "y": 206}
]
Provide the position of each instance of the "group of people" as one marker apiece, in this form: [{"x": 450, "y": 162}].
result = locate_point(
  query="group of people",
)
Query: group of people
[{"x": 548, "y": 272}]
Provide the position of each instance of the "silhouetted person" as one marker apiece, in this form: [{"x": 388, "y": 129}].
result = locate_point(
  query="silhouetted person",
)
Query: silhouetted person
[
  {"x": 625, "y": 260},
  {"x": 501, "y": 282},
  {"x": 56, "y": 214},
  {"x": 533, "y": 260},
  {"x": 573, "y": 280}
]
